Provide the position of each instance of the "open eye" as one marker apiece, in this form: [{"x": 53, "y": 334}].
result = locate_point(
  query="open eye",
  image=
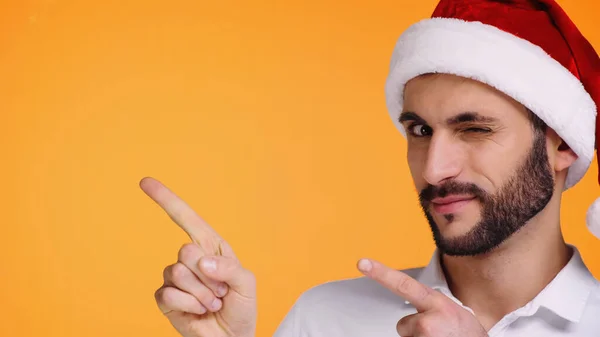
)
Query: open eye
[{"x": 420, "y": 130}]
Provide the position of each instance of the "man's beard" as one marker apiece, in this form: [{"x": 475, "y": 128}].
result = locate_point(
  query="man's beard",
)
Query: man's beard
[{"x": 503, "y": 213}]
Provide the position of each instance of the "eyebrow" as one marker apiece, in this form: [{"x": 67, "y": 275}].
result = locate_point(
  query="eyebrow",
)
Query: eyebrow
[
  {"x": 465, "y": 117},
  {"x": 469, "y": 117},
  {"x": 410, "y": 116}
]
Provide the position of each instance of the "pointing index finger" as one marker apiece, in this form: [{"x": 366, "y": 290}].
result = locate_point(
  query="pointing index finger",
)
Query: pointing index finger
[
  {"x": 419, "y": 295},
  {"x": 182, "y": 214}
]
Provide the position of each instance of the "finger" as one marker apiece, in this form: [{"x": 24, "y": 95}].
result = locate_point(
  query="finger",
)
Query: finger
[
  {"x": 230, "y": 271},
  {"x": 172, "y": 299},
  {"x": 182, "y": 214},
  {"x": 419, "y": 295},
  {"x": 179, "y": 276},
  {"x": 407, "y": 325},
  {"x": 190, "y": 255}
]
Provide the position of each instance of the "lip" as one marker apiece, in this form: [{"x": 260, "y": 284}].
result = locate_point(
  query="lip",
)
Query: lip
[
  {"x": 451, "y": 199},
  {"x": 450, "y": 204}
]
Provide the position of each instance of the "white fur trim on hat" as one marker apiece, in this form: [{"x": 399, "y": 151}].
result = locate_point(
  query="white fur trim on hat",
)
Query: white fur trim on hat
[
  {"x": 593, "y": 218},
  {"x": 512, "y": 65}
]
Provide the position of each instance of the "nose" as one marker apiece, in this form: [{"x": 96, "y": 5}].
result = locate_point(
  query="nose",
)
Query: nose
[{"x": 443, "y": 161}]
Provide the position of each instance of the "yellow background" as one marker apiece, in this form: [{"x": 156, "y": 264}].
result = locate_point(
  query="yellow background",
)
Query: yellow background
[{"x": 267, "y": 117}]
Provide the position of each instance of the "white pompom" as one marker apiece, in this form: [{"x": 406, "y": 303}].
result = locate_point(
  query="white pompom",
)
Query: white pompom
[{"x": 593, "y": 218}]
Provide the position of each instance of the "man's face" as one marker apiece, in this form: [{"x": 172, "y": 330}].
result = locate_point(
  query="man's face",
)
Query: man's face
[{"x": 481, "y": 170}]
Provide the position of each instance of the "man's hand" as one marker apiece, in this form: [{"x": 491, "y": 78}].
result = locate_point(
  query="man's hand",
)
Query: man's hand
[
  {"x": 437, "y": 315},
  {"x": 206, "y": 293}
]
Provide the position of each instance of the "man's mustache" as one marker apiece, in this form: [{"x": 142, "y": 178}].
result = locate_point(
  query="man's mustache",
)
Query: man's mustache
[{"x": 450, "y": 188}]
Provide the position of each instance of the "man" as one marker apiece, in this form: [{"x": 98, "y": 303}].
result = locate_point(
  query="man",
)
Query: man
[{"x": 497, "y": 100}]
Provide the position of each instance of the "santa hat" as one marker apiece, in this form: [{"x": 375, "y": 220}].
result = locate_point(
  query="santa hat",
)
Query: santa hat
[{"x": 530, "y": 50}]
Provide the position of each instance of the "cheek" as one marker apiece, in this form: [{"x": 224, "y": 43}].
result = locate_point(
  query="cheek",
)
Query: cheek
[
  {"x": 415, "y": 158},
  {"x": 496, "y": 164}
]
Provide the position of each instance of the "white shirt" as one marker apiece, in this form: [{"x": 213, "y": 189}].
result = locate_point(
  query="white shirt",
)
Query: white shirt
[{"x": 568, "y": 306}]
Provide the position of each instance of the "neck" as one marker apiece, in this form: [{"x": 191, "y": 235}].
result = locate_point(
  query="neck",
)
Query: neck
[{"x": 509, "y": 277}]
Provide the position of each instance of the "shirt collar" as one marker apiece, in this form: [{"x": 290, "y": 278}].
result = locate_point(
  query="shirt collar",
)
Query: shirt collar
[
  {"x": 433, "y": 277},
  {"x": 566, "y": 295}
]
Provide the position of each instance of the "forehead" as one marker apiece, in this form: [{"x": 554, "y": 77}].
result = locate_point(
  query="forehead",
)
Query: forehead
[{"x": 442, "y": 95}]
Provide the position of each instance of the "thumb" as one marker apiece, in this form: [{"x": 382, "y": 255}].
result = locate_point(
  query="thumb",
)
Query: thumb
[{"x": 229, "y": 270}]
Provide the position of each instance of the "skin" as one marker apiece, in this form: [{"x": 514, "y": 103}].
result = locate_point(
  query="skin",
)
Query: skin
[
  {"x": 191, "y": 285},
  {"x": 496, "y": 283},
  {"x": 508, "y": 276}
]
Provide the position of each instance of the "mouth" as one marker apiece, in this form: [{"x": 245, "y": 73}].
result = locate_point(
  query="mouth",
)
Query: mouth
[{"x": 451, "y": 204}]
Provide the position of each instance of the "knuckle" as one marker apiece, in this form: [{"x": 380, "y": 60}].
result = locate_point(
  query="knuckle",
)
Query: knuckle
[
  {"x": 423, "y": 293},
  {"x": 178, "y": 272},
  {"x": 158, "y": 294},
  {"x": 167, "y": 272},
  {"x": 164, "y": 295},
  {"x": 404, "y": 320},
  {"x": 404, "y": 285},
  {"x": 425, "y": 326},
  {"x": 403, "y": 324},
  {"x": 189, "y": 252}
]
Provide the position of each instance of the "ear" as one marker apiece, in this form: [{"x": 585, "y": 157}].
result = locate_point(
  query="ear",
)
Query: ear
[{"x": 561, "y": 156}]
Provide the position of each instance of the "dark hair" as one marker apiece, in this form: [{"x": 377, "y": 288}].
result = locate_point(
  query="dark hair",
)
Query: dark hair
[{"x": 537, "y": 123}]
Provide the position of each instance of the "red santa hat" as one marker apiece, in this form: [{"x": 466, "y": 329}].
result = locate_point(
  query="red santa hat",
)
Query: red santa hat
[{"x": 530, "y": 50}]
